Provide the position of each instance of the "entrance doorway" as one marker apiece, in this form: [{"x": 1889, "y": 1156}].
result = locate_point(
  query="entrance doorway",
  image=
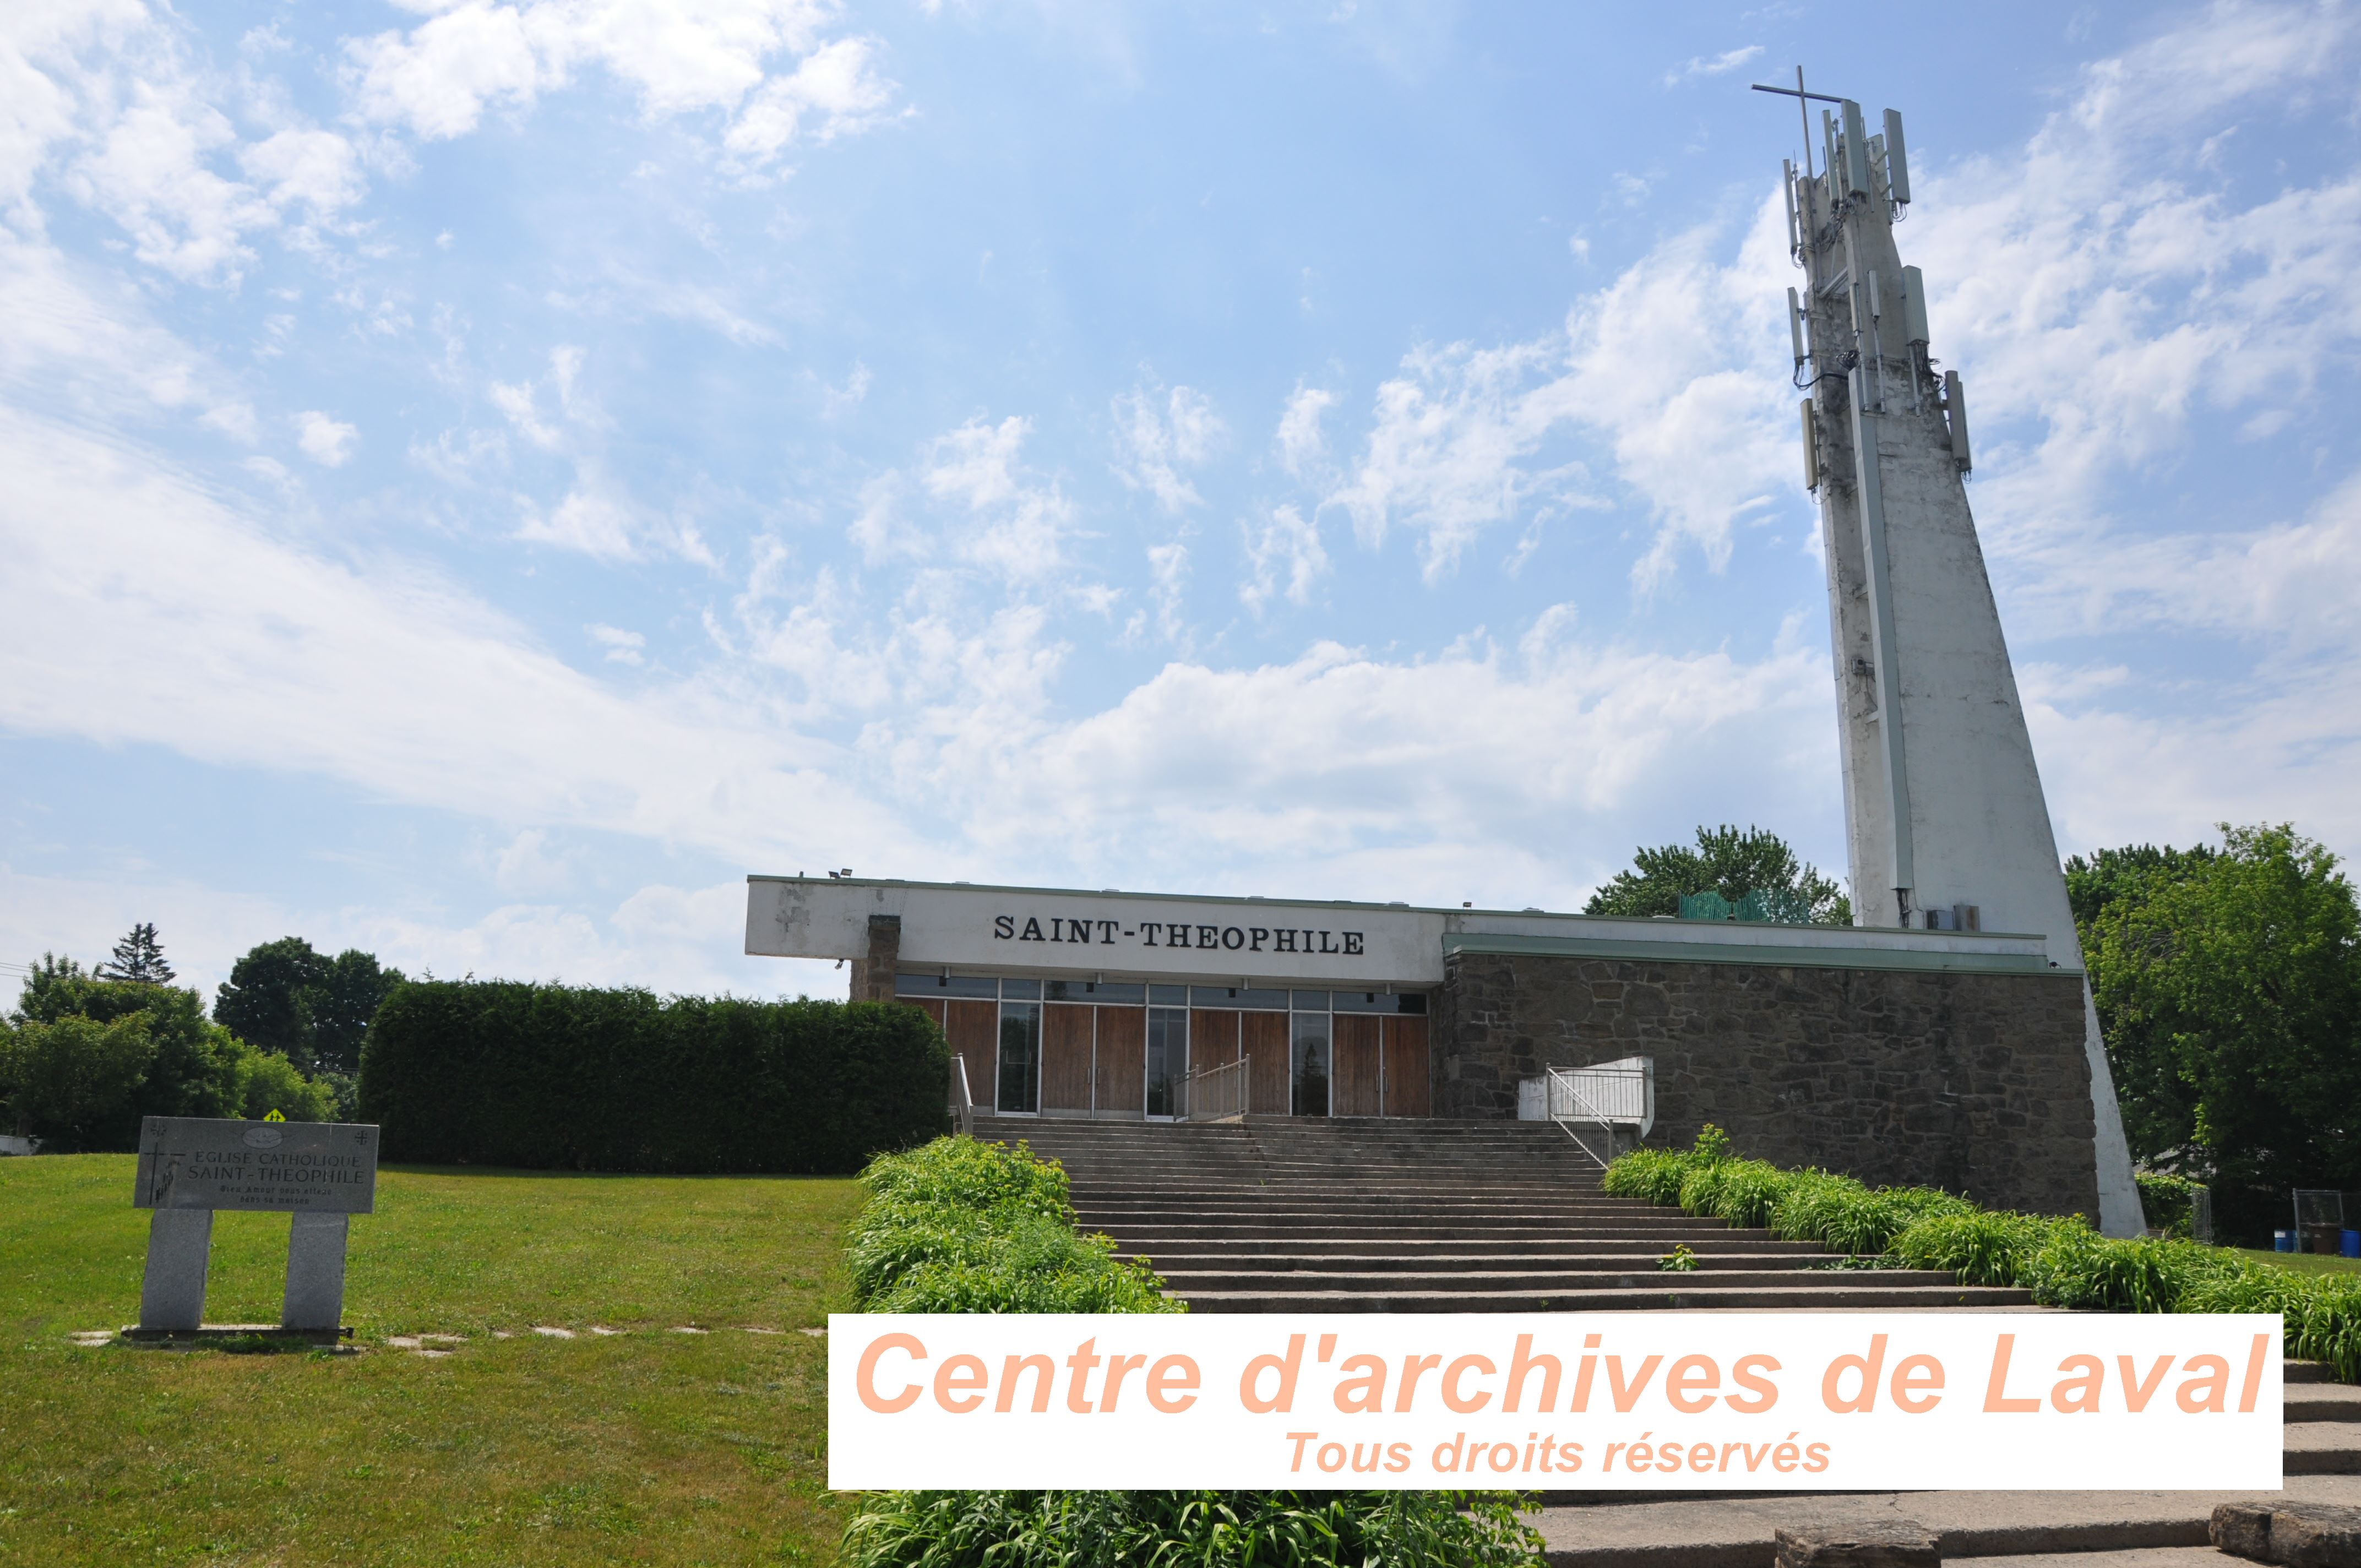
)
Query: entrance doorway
[
  {"x": 1168, "y": 1059},
  {"x": 1308, "y": 1058},
  {"x": 1019, "y": 1078}
]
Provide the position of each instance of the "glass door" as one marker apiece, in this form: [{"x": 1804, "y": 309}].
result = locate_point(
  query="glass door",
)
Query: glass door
[
  {"x": 1019, "y": 1089},
  {"x": 1168, "y": 1059},
  {"x": 1308, "y": 1058}
]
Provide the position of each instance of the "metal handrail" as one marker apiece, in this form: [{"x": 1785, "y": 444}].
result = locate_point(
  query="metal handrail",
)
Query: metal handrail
[
  {"x": 1228, "y": 1105},
  {"x": 1604, "y": 1094},
  {"x": 963, "y": 1100}
]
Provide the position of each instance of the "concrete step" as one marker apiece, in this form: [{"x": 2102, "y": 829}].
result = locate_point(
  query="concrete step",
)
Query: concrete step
[
  {"x": 1727, "y": 1532},
  {"x": 1264, "y": 1265},
  {"x": 1228, "y": 1247},
  {"x": 2312, "y": 1398},
  {"x": 1196, "y": 1283},
  {"x": 1536, "y": 1216},
  {"x": 1693, "y": 1292},
  {"x": 1467, "y": 1230},
  {"x": 2320, "y": 1448}
]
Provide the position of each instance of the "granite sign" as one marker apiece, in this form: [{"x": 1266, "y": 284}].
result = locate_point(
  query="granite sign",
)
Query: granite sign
[
  {"x": 192, "y": 1162},
  {"x": 319, "y": 1173}
]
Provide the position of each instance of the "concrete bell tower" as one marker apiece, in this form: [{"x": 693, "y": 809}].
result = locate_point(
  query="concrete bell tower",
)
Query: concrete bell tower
[{"x": 1947, "y": 827}]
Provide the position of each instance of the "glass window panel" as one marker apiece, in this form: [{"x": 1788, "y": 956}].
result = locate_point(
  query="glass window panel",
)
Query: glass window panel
[
  {"x": 1168, "y": 995},
  {"x": 1381, "y": 1002},
  {"x": 945, "y": 985},
  {"x": 1308, "y": 1056},
  {"x": 1271, "y": 1000},
  {"x": 1019, "y": 1086},
  {"x": 1094, "y": 990},
  {"x": 1312, "y": 1002},
  {"x": 1020, "y": 990}
]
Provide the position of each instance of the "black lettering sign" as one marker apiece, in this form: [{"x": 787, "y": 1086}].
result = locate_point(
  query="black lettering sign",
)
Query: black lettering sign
[
  {"x": 1147, "y": 929},
  {"x": 1004, "y": 927},
  {"x": 1032, "y": 931}
]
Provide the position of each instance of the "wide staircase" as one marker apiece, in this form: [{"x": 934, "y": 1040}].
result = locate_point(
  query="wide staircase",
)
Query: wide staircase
[
  {"x": 1426, "y": 1216},
  {"x": 1436, "y": 1216}
]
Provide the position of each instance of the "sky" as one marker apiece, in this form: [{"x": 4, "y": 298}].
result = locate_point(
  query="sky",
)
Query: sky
[{"x": 477, "y": 479}]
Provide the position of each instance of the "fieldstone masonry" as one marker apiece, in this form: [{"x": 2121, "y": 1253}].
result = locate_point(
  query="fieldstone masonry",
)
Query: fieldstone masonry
[{"x": 1973, "y": 1083}]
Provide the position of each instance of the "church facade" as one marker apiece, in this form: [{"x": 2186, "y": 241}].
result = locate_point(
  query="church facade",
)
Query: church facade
[{"x": 1948, "y": 1057}]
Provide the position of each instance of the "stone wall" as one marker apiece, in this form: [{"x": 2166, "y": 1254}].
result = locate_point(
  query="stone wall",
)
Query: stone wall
[
  {"x": 1974, "y": 1082},
  {"x": 872, "y": 977}
]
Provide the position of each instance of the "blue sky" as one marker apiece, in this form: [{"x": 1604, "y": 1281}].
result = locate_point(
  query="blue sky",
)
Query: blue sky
[{"x": 483, "y": 477}]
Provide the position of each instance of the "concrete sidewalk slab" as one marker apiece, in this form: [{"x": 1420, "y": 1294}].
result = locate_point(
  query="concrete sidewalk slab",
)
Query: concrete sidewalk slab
[{"x": 1726, "y": 1533}]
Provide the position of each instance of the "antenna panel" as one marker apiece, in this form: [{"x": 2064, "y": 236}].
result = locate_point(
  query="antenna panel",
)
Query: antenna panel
[
  {"x": 1788, "y": 189},
  {"x": 1914, "y": 305},
  {"x": 1897, "y": 161},
  {"x": 1811, "y": 449},
  {"x": 1955, "y": 406},
  {"x": 1796, "y": 327},
  {"x": 1856, "y": 150}
]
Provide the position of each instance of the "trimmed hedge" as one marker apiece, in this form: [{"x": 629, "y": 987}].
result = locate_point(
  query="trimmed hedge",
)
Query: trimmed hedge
[
  {"x": 2064, "y": 1263},
  {"x": 964, "y": 1226},
  {"x": 568, "y": 1078}
]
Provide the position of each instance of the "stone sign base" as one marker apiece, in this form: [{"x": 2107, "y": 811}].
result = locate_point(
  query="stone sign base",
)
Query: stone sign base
[{"x": 214, "y": 1332}]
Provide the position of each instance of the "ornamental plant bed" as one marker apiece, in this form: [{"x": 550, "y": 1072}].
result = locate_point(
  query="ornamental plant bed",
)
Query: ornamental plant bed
[
  {"x": 964, "y": 1226},
  {"x": 2063, "y": 1262}
]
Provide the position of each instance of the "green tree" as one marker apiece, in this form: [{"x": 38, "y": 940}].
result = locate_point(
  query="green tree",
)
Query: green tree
[
  {"x": 194, "y": 1069},
  {"x": 73, "y": 1083},
  {"x": 1725, "y": 861},
  {"x": 314, "y": 1009},
  {"x": 342, "y": 1005},
  {"x": 265, "y": 1002},
  {"x": 2228, "y": 984},
  {"x": 140, "y": 958}
]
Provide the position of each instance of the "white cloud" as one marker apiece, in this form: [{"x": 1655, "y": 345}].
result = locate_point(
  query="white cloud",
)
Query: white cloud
[
  {"x": 377, "y": 675},
  {"x": 324, "y": 440},
  {"x": 1302, "y": 445},
  {"x": 531, "y": 863},
  {"x": 1711, "y": 65},
  {"x": 835, "y": 85},
  {"x": 1015, "y": 523},
  {"x": 317, "y": 168},
  {"x": 1156, "y": 439},
  {"x": 1283, "y": 544},
  {"x": 439, "y": 78},
  {"x": 622, "y": 647}
]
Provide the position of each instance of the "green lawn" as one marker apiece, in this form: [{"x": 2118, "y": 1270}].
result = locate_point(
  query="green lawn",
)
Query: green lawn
[
  {"x": 648, "y": 1446},
  {"x": 2305, "y": 1262}
]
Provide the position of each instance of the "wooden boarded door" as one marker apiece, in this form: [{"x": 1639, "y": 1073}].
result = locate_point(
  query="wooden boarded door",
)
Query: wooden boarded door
[
  {"x": 1407, "y": 1091},
  {"x": 1123, "y": 1061},
  {"x": 1357, "y": 1044},
  {"x": 1263, "y": 1037},
  {"x": 1066, "y": 1049},
  {"x": 973, "y": 1030}
]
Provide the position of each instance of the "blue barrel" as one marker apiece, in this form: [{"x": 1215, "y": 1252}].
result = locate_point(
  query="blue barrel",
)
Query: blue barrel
[
  {"x": 2349, "y": 1244},
  {"x": 2282, "y": 1241}
]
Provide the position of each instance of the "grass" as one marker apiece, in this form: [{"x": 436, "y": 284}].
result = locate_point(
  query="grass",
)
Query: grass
[
  {"x": 2302, "y": 1262},
  {"x": 646, "y": 1447}
]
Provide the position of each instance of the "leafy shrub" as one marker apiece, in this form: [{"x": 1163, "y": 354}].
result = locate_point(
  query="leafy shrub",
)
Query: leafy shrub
[
  {"x": 2064, "y": 1263},
  {"x": 1204, "y": 1530},
  {"x": 1653, "y": 1176},
  {"x": 1982, "y": 1246},
  {"x": 268, "y": 1082},
  {"x": 964, "y": 1226},
  {"x": 73, "y": 1083},
  {"x": 2167, "y": 1201},
  {"x": 569, "y": 1077}
]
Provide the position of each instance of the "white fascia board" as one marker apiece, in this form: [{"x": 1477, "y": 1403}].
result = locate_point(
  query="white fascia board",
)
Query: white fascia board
[{"x": 1022, "y": 930}]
